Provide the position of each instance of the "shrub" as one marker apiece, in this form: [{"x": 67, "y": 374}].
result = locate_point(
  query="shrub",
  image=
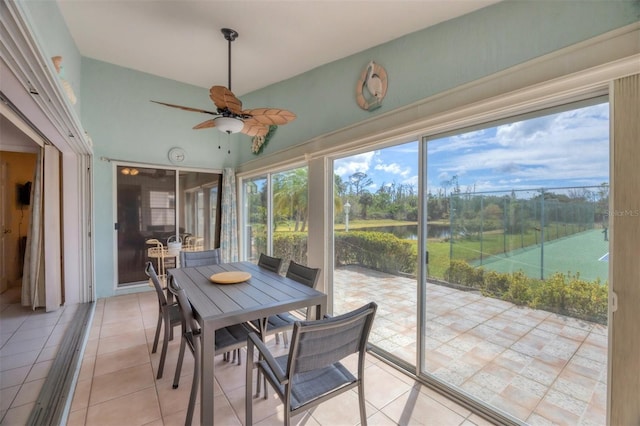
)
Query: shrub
[
  {"x": 290, "y": 246},
  {"x": 551, "y": 293},
  {"x": 460, "y": 272},
  {"x": 495, "y": 284},
  {"x": 519, "y": 291},
  {"x": 561, "y": 293},
  {"x": 376, "y": 250},
  {"x": 586, "y": 299}
]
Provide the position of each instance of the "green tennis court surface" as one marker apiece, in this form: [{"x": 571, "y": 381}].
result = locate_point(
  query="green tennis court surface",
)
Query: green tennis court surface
[{"x": 576, "y": 253}]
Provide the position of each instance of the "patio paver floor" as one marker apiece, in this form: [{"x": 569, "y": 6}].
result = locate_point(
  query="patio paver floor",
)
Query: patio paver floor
[{"x": 538, "y": 366}]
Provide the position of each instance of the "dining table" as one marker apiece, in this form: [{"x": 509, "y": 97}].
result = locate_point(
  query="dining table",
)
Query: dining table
[{"x": 218, "y": 305}]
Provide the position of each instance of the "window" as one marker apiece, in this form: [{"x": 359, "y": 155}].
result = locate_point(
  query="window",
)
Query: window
[
  {"x": 162, "y": 206},
  {"x": 508, "y": 306},
  {"x": 275, "y": 215}
]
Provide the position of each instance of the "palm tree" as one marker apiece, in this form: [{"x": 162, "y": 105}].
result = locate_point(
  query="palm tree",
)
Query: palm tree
[{"x": 290, "y": 197}]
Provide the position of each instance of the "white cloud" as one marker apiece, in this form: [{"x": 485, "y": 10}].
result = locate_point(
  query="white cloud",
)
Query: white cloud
[
  {"x": 357, "y": 163},
  {"x": 393, "y": 168},
  {"x": 571, "y": 145}
]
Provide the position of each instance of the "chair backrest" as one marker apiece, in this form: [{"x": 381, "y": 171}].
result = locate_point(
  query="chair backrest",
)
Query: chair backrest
[
  {"x": 271, "y": 263},
  {"x": 200, "y": 258},
  {"x": 303, "y": 274},
  {"x": 317, "y": 344},
  {"x": 189, "y": 323},
  {"x": 151, "y": 273}
]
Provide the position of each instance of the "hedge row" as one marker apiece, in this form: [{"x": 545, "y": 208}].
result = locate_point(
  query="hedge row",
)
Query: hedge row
[
  {"x": 561, "y": 293},
  {"x": 376, "y": 250},
  {"x": 290, "y": 247}
]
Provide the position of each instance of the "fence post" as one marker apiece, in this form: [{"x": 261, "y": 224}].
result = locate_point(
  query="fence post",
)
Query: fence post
[{"x": 542, "y": 234}]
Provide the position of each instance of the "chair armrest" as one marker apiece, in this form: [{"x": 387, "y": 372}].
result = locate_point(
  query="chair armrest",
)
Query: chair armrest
[{"x": 254, "y": 340}]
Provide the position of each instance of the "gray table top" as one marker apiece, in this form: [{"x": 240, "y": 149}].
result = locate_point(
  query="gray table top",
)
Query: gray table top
[{"x": 265, "y": 293}]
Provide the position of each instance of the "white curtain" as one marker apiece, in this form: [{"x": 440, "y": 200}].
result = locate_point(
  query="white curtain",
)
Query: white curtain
[
  {"x": 33, "y": 290},
  {"x": 229, "y": 232}
]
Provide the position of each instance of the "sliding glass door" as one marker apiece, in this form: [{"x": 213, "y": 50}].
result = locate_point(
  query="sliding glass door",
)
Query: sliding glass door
[
  {"x": 490, "y": 269},
  {"x": 161, "y": 211},
  {"x": 375, "y": 243},
  {"x": 515, "y": 311}
]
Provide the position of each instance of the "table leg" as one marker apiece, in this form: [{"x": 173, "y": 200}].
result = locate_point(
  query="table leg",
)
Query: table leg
[
  {"x": 207, "y": 380},
  {"x": 321, "y": 310}
]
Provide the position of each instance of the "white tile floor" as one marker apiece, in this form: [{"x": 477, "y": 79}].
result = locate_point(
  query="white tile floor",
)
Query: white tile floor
[
  {"x": 117, "y": 383},
  {"x": 29, "y": 342}
]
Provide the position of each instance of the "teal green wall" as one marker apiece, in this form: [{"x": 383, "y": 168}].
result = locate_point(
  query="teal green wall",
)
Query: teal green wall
[
  {"x": 436, "y": 59},
  {"x": 54, "y": 38},
  {"x": 125, "y": 125}
]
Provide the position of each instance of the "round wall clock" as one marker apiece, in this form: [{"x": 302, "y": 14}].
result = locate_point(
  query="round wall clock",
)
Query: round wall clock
[{"x": 176, "y": 155}]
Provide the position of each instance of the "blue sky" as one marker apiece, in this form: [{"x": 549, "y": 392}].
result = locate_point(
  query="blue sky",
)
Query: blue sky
[{"x": 570, "y": 148}]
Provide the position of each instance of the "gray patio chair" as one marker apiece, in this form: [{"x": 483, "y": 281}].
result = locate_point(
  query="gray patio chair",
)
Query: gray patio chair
[
  {"x": 199, "y": 258},
  {"x": 280, "y": 323},
  {"x": 228, "y": 339},
  {"x": 271, "y": 263},
  {"x": 168, "y": 316},
  {"x": 312, "y": 372}
]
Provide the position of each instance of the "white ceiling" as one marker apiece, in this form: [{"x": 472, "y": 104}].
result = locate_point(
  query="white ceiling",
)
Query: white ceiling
[{"x": 181, "y": 39}]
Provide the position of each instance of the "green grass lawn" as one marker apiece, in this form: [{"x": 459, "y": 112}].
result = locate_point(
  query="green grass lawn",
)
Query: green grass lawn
[{"x": 470, "y": 248}]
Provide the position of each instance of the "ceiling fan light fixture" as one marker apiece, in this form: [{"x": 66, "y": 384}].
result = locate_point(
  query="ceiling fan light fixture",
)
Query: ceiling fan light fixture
[
  {"x": 229, "y": 125},
  {"x": 229, "y": 115}
]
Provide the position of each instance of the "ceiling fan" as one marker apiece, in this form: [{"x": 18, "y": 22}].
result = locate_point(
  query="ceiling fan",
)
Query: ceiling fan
[{"x": 229, "y": 116}]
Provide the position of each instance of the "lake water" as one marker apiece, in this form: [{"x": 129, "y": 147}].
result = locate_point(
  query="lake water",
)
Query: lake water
[{"x": 410, "y": 232}]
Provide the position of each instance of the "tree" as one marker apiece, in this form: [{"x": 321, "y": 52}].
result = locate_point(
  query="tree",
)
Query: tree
[
  {"x": 290, "y": 197},
  {"x": 366, "y": 199},
  {"x": 358, "y": 181}
]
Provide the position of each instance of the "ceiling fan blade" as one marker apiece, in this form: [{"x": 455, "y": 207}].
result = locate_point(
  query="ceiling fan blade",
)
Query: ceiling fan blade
[
  {"x": 205, "y": 124},
  {"x": 186, "y": 108},
  {"x": 271, "y": 116},
  {"x": 253, "y": 129},
  {"x": 224, "y": 98}
]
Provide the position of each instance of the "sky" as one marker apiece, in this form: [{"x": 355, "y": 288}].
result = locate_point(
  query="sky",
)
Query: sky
[{"x": 569, "y": 148}]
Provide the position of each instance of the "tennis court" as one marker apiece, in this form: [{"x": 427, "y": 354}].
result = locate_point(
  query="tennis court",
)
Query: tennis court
[{"x": 576, "y": 253}]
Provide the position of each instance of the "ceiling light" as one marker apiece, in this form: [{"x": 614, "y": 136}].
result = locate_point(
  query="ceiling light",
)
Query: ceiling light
[
  {"x": 229, "y": 124},
  {"x": 127, "y": 171}
]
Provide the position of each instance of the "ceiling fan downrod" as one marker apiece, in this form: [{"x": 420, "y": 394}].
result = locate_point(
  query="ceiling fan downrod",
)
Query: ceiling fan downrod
[{"x": 229, "y": 35}]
